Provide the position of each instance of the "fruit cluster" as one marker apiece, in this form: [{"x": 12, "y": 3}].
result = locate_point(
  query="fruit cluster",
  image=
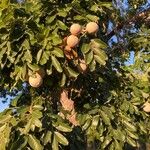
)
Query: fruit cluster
[
  {"x": 72, "y": 40},
  {"x": 69, "y": 43}
]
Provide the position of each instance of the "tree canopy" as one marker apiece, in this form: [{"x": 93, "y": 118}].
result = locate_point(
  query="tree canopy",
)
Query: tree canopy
[{"x": 72, "y": 88}]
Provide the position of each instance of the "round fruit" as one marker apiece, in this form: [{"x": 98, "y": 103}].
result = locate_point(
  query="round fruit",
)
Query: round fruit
[
  {"x": 146, "y": 107},
  {"x": 68, "y": 48},
  {"x": 41, "y": 72},
  {"x": 92, "y": 27},
  {"x": 82, "y": 65},
  {"x": 75, "y": 29},
  {"x": 35, "y": 80},
  {"x": 72, "y": 41}
]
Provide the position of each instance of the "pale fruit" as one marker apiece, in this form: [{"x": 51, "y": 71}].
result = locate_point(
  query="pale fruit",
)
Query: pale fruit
[
  {"x": 75, "y": 29},
  {"x": 41, "y": 72},
  {"x": 67, "y": 48},
  {"x": 82, "y": 65},
  {"x": 35, "y": 80},
  {"x": 146, "y": 107},
  {"x": 72, "y": 41},
  {"x": 92, "y": 27}
]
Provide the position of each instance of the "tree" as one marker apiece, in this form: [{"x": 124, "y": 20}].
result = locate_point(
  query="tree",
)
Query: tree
[{"x": 81, "y": 96}]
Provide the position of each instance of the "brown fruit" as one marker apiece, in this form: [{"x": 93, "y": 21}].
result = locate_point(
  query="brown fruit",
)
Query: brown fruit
[
  {"x": 68, "y": 55},
  {"x": 67, "y": 48},
  {"x": 72, "y": 41},
  {"x": 41, "y": 72},
  {"x": 65, "y": 40},
  {"x": 35, "y": 80},
  {"x": 74, "y": 54},
  {"x": 75, "y": 29},
  {"x": 146, "y": 107},
  {"x": 82, "y": 65},
  {"x": 92, "y": 27}
]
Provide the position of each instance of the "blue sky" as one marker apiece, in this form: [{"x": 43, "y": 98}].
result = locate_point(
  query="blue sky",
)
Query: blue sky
[{"x": 3, "y": 105}]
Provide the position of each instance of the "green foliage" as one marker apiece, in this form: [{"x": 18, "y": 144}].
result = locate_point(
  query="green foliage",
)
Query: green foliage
[{"x": 108, "y": 96}]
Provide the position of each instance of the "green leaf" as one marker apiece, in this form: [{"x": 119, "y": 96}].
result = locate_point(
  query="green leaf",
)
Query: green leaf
[
  {"x": 105, "y": 118},
  {"x": 33, "y": 67},
  {"x": 39, "y": 107},
  {"x": 55, "y": 143},
  {"x": 37, "y": 122},
  {"x": 56, "y": 64},
  {"x": 92, "y": 17},
  {"x": 132, "y": 135},
  {"x": 85, "y": 48},
  {"x": 50, "y": 19},
  {"x": 39, "y": 55},
  {"x": 61, "y": 25},
  {"x": 87, "y": 124},
  {"x": 37, "y": 114},
  {"x": 118, "y": 146},
  {"x": 2, "y": 128},
  {"x": 58, "y": 52},
  {"x": 107, "y": 140},
  {"x": 97, "y": 43},
  {"x": 45, "y": 57},
  {"x": 62, "y": 13},
  {"x": 63, "y": 127},
  {"x": 72, "y": 73},
  {"x": 34, "y": 143},
  {"x": 14, "y": 121},
  {"x": 63, "y": 80},
  {"x": 79, "y": 17},
  {"x": 105, "y": 4},
  {"x": 5, "y": 118},
  {"x": 100, "y": 53},
  {"x": 47, "y": 137},
  {"x": 95, "y": 121},
  {"x": 27, "y": 127},
  {"x": 89, "y": 57},
  {"x": 129, "y": 126},
  {"x": 99, "y": 60},
  {"x": 19, "y": 144},
  {"x": 92, "y": 65},
  {"x": 26, "y": 44},
  {"x": 61, "y": 139},
  {"x": 56, "y": 39},
  {"x": 118, "y": 135},
  {"x": 24, "y": 72},
  {"x": 131, "y": 141},
  {"x": 15, "y": 100},
  {"x": 28, "y": 56}
]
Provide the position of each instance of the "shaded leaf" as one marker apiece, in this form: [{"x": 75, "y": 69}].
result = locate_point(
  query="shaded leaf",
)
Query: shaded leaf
[
  {"x": 60, "y": 138},
  {"x": 56, "y": 64},
  {"x": 34, "y": 143},
  {"x": 47, "y": 137}
]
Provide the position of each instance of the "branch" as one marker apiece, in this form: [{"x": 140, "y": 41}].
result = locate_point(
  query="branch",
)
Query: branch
[{"x": 140, "y": 16}]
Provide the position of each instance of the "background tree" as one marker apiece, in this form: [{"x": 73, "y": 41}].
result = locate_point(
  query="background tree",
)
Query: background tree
[{"x": 74, "y": 92}]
